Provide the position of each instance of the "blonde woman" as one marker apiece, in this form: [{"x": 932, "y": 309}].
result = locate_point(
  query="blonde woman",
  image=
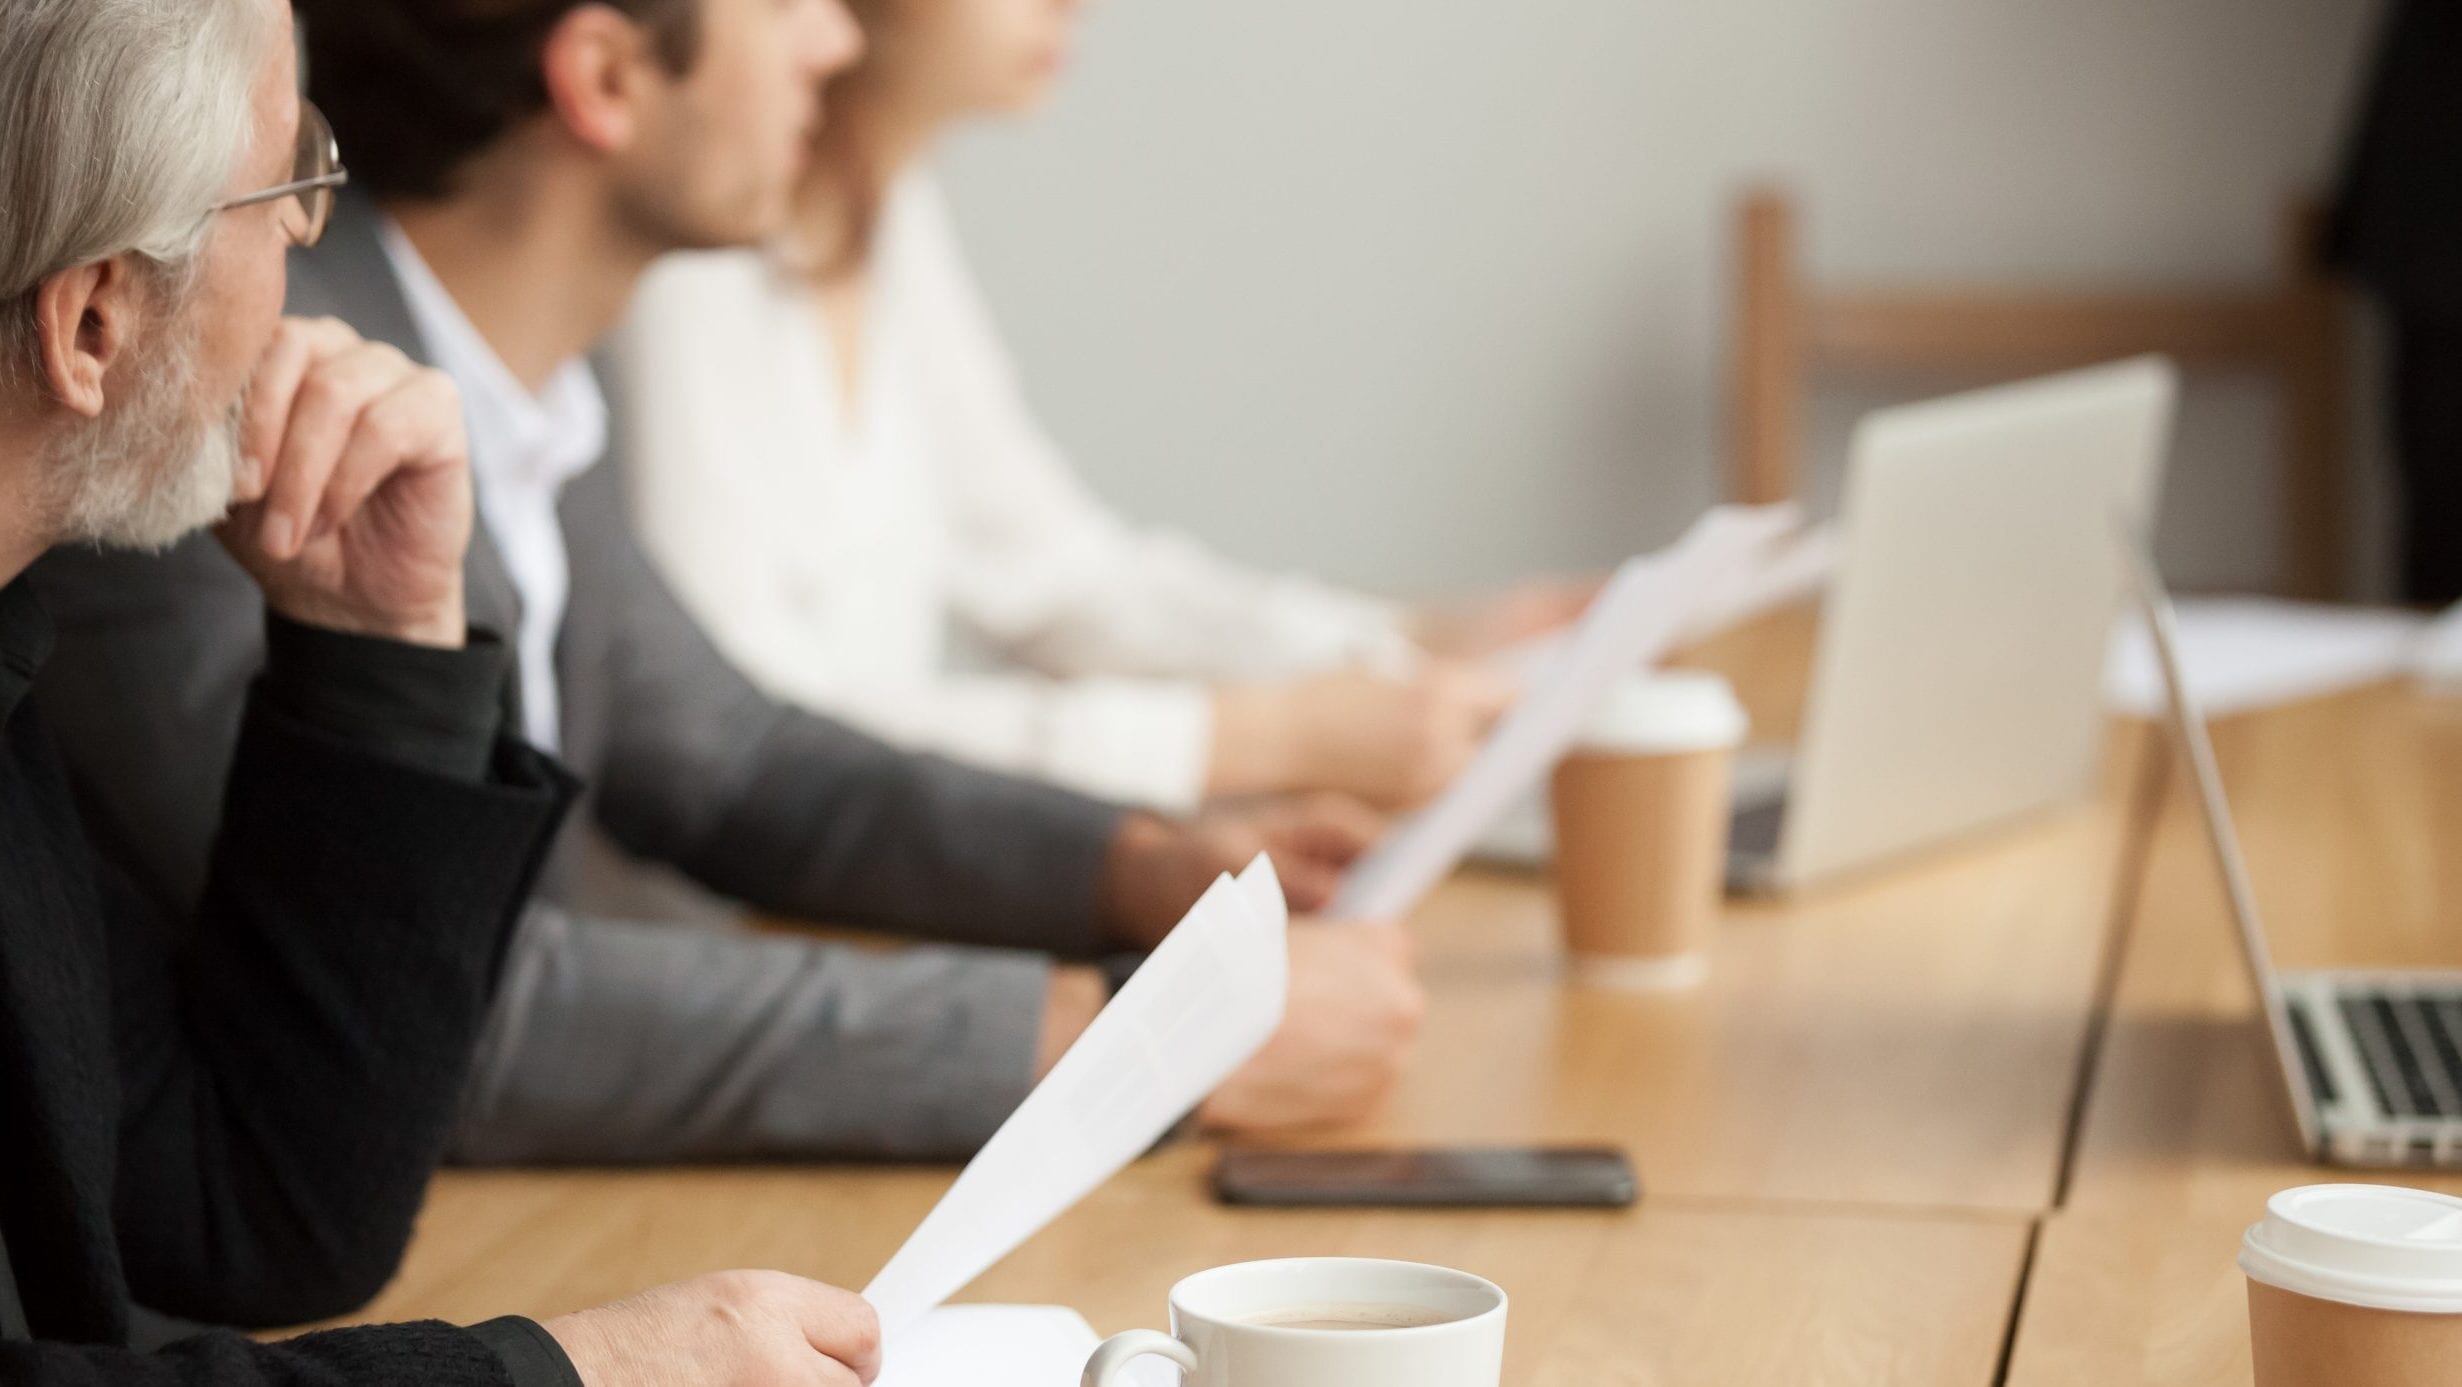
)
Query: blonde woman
[{"x": 830, "y": 456}]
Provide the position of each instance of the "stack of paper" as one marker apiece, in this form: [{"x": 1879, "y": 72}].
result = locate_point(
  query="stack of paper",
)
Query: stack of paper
[
  {"x": 2244, "y": 653},
  {"x": 2439, "y": 659},
  {"x": 1206, "y": 1001},
  {"x": 1651, "y": 604}
]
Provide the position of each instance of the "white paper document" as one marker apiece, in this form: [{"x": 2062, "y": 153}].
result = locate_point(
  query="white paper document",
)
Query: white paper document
[
  {"x": 1791, "y": 569},
  {"x": 1004, "y": 1346},
  {"x": 1206, "y": 1001},
  {"x": 2244, "y": 653},
  {"x": 2439, "y": 658},
  {"x": 1650, "y": 604}
]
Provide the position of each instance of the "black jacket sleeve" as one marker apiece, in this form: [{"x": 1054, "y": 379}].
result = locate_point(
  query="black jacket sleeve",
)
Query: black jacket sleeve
[
  {"x": 427, "y": 1354},
  {"x": 291, "y": 1061}
]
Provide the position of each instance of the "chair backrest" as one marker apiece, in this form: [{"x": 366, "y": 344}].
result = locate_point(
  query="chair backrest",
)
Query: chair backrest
[{"x": 2294, "y": 330}]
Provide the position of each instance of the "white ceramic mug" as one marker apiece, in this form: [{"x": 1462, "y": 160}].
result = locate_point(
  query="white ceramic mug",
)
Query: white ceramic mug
[{"x": 1217, "y": 1338}]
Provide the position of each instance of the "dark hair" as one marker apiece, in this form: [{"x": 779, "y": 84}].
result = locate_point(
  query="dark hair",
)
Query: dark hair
[{"x": 417, "y": 88}]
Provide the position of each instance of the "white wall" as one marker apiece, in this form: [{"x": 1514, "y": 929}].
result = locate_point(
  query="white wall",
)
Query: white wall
[{"x": 1425, "y": 293}]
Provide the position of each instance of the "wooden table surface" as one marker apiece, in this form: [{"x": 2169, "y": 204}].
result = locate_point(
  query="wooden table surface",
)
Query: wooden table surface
[
  {"x": 2351, "y": 810},
  {"x": 1910, "y": 1040},
  {"x": 1669, "y": 1293},
  {"x": 1881, "y": 1142}
]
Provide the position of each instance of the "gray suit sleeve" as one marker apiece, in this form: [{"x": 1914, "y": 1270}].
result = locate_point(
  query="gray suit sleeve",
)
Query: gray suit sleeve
[
  {"x": 609, "y": 1041},
  {"x": 644, "y": 1043},
  {"x": 801, "y": 815}
]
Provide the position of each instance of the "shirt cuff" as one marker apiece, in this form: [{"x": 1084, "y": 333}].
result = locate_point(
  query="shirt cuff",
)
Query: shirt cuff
[
  {"x": 1136, "y": 741},
  {"x": 435, "y": 710},
  {"x": 532, "y": 1357}
]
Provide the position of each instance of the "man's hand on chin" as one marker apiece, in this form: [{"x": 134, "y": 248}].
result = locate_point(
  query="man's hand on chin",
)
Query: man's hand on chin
[{"x": 355, "y": 508}]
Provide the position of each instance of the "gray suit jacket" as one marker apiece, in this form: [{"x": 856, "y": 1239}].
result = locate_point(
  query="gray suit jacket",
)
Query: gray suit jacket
[{"x": 625, "y": 1041}]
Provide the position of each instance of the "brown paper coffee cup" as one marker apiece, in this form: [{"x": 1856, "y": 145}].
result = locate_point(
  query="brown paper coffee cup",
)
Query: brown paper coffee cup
[
  {"x": 1642, "y": 810},
  {"x": 2301, "y": 1341},
  {"x": 2355, "y": 1283}
]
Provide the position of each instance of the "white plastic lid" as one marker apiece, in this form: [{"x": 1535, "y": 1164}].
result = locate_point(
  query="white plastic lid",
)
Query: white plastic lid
[
  {"x": 1665, "y": 713},
  {"x": 2378, "y": 1246}
]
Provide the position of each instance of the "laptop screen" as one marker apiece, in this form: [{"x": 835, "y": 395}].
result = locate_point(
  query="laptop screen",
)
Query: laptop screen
[{"x": 2189, "y": 727}]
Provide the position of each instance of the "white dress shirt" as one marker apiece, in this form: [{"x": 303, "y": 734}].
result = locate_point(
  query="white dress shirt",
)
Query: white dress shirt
[
  {"x": 523, "y": 449},
  {"x": 925, "y": 563}
]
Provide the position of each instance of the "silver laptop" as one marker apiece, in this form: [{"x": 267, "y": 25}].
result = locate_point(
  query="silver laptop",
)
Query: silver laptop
[
  {"x": 2372, "y": 1061},
  {"x": 1959, "y": 679}
]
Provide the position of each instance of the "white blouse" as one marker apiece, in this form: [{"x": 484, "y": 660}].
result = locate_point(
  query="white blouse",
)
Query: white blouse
[{"x": 927, "y": 565}]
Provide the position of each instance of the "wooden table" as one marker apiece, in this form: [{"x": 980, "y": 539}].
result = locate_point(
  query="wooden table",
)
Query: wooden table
[
  {"x": 1670, "y": 1293},
  {"x": 2351, "y": 809},
  {"x": 1910, "y": 1041},
  {"x": 1848, "y": 1136}
]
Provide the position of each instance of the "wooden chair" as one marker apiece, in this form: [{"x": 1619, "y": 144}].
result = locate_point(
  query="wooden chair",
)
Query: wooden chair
[{"x": 2294, "y": 331}]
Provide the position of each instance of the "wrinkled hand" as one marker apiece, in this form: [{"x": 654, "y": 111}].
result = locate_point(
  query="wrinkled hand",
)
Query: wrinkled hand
[
  {"x": 1159, "y": 867},
  {"x": 1346, "y": 1038},
  {"x": 1485, "y": 626},
  {"x": 733, "y": 1329},
  {"x": 355, "y": 495}
]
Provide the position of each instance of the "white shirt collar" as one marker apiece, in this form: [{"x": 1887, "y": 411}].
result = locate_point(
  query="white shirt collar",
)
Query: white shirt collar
[
  {"x": 545, "y": 439},
  {"x": 523, "y": 449}
]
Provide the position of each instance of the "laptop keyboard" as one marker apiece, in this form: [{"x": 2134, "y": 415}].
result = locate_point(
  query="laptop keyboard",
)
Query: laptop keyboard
[
  {"x": 2321, "y": 1083},
  {"x": 2411, "y": 1045},
  {"x": 1756, "y": 827}
]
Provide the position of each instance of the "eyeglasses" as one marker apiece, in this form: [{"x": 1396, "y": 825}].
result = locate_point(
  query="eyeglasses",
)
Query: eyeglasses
[{"x": 316, "y": 171}]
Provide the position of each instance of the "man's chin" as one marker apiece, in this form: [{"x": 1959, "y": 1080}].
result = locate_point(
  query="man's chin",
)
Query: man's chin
[{"x": 186, "y": 498}]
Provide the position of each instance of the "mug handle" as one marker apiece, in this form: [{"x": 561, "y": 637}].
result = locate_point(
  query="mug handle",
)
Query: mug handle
[{"x": 1112, "y": 1359}]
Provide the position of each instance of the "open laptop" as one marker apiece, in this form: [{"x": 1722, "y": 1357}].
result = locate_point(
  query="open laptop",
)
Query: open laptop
[
  {"x": 1959, "y": 680},
  {"x": 2372, "y": 1061}
]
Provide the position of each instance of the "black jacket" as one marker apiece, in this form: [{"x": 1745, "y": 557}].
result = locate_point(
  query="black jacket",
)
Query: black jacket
[
  {"x": 242, "y": 1107},
  {"x": 2399, "y": 223}
]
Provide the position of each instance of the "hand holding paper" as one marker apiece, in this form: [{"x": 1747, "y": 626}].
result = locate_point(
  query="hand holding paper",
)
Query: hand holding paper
[{"x": 1651, "y": 603}]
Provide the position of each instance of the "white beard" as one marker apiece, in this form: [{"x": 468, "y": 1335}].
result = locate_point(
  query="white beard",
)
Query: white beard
[{"x": 143, "y": 476}]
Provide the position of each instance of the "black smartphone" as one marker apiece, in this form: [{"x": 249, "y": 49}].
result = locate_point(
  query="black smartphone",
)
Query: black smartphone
[{"x": 1589, "y": 1177}]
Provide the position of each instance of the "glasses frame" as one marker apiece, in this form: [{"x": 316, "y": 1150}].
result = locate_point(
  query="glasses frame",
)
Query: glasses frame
[{"x": 318, "y": 164}]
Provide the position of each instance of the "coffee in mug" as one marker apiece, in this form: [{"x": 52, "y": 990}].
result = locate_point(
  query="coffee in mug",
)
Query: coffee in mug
[
  {"x": 1339, "y": 1318},
  {"x": 2355, "y": 1283},
  {"x": 1323, "y": 1322},
  {"x": 1642, "y": 808}
]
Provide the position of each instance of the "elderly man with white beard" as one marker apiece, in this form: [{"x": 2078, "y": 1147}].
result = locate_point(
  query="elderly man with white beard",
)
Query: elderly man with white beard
[{"x": 244, "y": 1103}]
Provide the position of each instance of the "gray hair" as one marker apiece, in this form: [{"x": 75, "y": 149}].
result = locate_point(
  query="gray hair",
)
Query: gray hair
[{"x": 121, "y": 123}]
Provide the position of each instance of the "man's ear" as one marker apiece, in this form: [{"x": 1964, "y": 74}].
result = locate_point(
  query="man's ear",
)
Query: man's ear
[
  {"x": 598, "y": 64},
  {"x": 84, "y": 319}
]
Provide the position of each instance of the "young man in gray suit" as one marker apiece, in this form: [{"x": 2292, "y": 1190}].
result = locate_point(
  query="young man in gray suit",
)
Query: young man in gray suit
[{"x": 527, "y": 161}]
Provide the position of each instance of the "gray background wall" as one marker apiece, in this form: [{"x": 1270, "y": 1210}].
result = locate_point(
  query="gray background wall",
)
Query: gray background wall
[{"x": 1421, "y": 294}]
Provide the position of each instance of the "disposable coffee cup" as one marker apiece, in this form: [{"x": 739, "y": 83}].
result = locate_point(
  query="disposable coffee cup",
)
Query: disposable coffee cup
[
  {"x": 1322, "y": 1322},
  {"x": 1642, "y": 808},
  {"x": 2355, "y": 1284}
]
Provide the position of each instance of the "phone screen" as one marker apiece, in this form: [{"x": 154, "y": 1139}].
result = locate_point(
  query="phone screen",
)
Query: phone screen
[{"x": 1519, "y": 1177}]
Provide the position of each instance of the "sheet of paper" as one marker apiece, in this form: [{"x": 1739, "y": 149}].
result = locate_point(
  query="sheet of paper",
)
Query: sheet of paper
[
  {"x": 1004, "y": 1346},
  {"x": 2245, "y": 653},
  {"x": 1791, "y": 569},
  {"x": 1643, "y": 610},
  {"x": 1206, "y": 1001},
  {"x": 2439, "y": 657}
]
